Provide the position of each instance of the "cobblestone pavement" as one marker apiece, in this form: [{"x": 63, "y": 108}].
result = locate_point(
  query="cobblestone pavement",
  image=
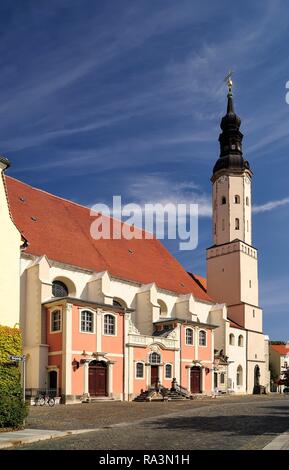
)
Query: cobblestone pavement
[{"x": 231, "y": 423}]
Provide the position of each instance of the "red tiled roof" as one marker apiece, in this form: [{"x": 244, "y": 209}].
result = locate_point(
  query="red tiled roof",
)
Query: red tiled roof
[
  {"x": 60, "y": 229},
  {"x": 282, "y": 349},
  {"x": 235, "y": 325},
  {"x": 202, "y": 281}
]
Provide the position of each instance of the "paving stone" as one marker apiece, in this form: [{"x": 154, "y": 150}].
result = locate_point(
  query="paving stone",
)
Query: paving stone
[{"x": 232, "y": 423}]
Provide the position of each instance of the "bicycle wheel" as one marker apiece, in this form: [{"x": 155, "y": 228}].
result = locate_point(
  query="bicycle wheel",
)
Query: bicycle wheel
[
  {"x": 51, "y": 402},
  {"x": 41, "y": 401}
]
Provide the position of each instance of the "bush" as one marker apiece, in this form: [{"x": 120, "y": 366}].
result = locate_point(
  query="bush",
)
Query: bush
[
  {"x": 12, "y": 408},
  {"x": 13, "y": 411}
]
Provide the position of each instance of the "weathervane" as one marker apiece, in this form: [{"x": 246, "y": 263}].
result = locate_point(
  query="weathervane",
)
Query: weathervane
[{"x": 228, "y": 80}]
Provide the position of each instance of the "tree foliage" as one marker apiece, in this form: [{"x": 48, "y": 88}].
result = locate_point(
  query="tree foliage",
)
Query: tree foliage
[{"x": 12, "y": 407}]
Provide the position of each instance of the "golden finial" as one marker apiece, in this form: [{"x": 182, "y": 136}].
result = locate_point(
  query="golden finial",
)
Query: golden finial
[{"x": 228, "y": 80}]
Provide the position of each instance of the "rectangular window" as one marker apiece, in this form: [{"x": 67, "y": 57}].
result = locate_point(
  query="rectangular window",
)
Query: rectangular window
[
  {"x": 86, "y": 323},
  {"x": 109, "y": 325},
  {"x": 56, "y": 321},
  {"x": 168, "y": 371},
  {"x": 139, "y": 370}
]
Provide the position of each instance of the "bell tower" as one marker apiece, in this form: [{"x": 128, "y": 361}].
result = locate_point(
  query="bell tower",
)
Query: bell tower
[{"x": 232, "y": 267}]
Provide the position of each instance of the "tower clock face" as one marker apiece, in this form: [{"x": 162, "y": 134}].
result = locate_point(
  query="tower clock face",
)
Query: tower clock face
[{"x": 222, "y": 179}]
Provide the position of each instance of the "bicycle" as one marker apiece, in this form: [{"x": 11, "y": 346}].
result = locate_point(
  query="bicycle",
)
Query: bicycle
[{"x": 42, "y": 400}]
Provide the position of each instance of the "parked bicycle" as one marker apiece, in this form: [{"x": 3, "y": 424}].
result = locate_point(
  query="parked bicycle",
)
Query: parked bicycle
[{"x": 42, "y": 400}]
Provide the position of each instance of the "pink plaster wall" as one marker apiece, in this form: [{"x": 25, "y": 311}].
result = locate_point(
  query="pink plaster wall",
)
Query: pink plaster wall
[
  {"x": 114, "y": 344},
  {"x": 205, "y": 352},
  {"x": 53, "y": 339}
]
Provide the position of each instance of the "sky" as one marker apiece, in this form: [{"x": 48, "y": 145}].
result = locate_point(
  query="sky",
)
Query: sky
[{"x": 125, "y": 98}]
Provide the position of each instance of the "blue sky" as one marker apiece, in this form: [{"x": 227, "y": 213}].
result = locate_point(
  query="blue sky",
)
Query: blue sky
[{"x": 104, "y": 98}]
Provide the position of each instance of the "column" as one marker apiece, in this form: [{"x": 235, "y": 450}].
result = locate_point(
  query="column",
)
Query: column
[
  {"x": 98, "y": 331},
  {"x": 161, "y": 373},
  {"x": 148, "y": 375},
  {"x": 86, "y": 375},
  {"x": 213, "y": 357},
  {"x": 188, "y": 378},
  {"x": 203, "y": 374},
  {"x": 66, "y": 348},
  {"x": 126, "y": 348},
  {"x": 196, "y": 338},
  {"x": 110, "y": 378}
]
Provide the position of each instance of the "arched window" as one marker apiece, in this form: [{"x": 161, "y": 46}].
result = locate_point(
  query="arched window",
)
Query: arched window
[
  {"x": 168, "y": 371},
  {"x": 139, "y": 370},
  {"x": 202, "y": 338},
  {"x": 247, "y": 201},
  {"x": 86, "y": 321},
  {"x": 231, "y": 339},
  {"x": 241, "y": 341},
  {"x": 163, "y": 308},
  {"x": 237, "y": 199},
  {"x": 55, "y": 323},
  {"x": 109, "y": 325},
  {"x": 222, "y": 378},
  {"x": 223, "y": 200},
  {"x": 59, "y": 289},
  {"x": 189, "y": 336},
  {"x": 154, "y": 358},
  {"x": 237, "y": 224},
  {"x": 239, "y": 377}
]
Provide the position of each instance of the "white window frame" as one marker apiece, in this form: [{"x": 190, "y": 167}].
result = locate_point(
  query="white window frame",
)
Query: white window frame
[
  {"x": 155, "y": 363},
  {"x": 203, "y": 345},
  {"x": 171, "y": 366},
  {"x": 193, "y": 332},
  {"x": 143, "y": 370},
  {"x": 115, "y": 324},
  {"x": 51, "y": 313},
  {"x": 93, "y": 321}
]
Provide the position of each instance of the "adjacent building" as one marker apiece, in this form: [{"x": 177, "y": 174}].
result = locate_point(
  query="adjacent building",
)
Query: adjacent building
[{"x": 279, "y": 362}]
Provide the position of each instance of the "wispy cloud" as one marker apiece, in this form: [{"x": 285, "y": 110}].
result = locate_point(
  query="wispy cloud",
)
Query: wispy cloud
[
  {"x": 271, "y": 205},
  {"x": 159, "y": 188}
]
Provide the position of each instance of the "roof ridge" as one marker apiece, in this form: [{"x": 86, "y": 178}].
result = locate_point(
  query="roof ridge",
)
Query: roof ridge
[{"x": 69, "y": 201}]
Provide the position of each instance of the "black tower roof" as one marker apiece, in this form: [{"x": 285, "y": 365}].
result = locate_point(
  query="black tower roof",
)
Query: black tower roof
[{"x": 231, "y": 155}]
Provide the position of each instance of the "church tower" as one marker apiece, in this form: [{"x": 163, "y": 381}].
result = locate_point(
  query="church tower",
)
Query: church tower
[
  {"x": 232, "y": 270},
  {"x": 232, "y": 263}
]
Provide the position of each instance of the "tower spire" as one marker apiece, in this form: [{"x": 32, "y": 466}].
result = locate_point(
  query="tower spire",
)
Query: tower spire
[{"x": 231, "y": 154}]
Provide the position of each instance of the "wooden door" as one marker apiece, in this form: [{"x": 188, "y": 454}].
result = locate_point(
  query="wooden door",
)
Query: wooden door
[
  {"x": 97, "y": 380},
  {"x": 154, "y": 375},
  {"x": 195, "y": 380}
]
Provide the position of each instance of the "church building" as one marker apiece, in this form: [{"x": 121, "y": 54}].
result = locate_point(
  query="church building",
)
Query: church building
[{"x": 113, "y": 318}]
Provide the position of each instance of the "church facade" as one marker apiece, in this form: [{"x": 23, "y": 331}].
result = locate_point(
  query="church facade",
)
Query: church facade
[{"x": 112, "y": 318}]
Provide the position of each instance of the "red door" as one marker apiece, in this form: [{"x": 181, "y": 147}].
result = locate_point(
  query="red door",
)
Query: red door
[
  {"x": 154, "y": 375},
  {"x": 97, "y": 379},
  {"x": 195, "y": 380}
]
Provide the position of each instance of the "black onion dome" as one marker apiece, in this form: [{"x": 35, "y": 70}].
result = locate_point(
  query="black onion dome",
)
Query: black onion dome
[{"x": 231, "y": 154}]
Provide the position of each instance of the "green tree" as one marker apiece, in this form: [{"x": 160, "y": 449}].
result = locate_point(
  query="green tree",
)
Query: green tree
[{"x": 12, "y": 408}]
